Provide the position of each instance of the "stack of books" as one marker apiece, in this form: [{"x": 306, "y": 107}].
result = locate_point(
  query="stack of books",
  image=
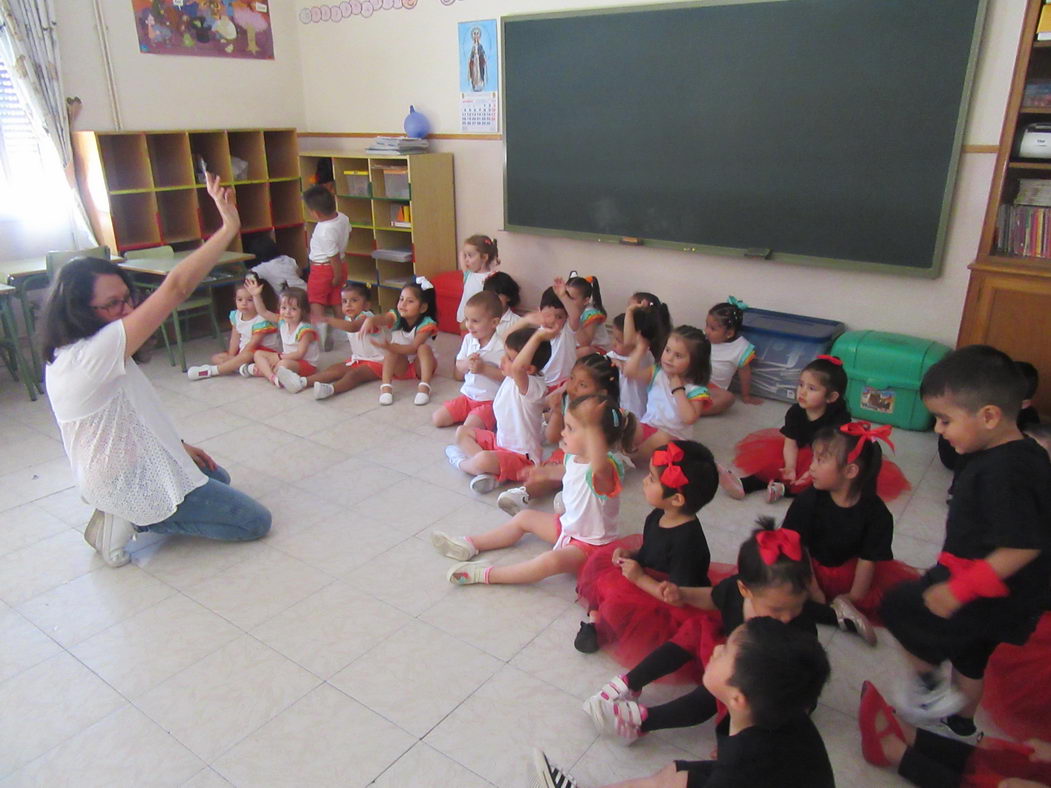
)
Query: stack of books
[
  {"x": 1037, "y": 92},
  {"x": 396, "y": 146},
  {"x": 1024, "y": 230}
]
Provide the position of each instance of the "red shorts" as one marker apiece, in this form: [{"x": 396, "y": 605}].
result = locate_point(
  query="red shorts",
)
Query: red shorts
[
  {"x": 320, "y": 289},
  {"x": 512, "y": 464},
  {"x": 463, "y": 406},
  {"x": 585, "y": 547},
  {"x": 558, "y": 457},
  {"x": 646, "y": 430},
  {"x": 305, "y": 368},
  {"x": 375, "y": 366}
]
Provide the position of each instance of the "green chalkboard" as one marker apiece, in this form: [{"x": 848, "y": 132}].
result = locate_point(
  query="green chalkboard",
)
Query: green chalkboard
[{"x": 819, "y": 131}]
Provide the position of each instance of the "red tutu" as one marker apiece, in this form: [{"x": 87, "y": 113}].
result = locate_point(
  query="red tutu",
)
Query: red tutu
[
  {"x": 837, "y": 580},
  {"x": 631, "y": 622},
  {"x": 762, "y": 454},
  {"x": 1017, "y": 691},
  {"x": 995, "y": 760}
]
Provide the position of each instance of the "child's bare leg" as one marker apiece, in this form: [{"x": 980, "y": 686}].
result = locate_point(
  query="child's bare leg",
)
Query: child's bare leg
[
  {"x": 473, "y": 422},
  {"x": 264, "y": 361},
  {"x": 394, "y": 364},
  {"x": 317, "y": 313},
  {"x": 563, "y": 561},
  {"x": 342, "y": 377},
  {"x": 288, "y": 363},
  {"x": 720, "y": 402},
  {"x": 528, "y": 521},
  {"x": 443, "y": 418},
  {"x": 465, "y": 440},
  {"x": 426, "y": 363},
  {"x": 648, "y": 446},
  {"x": 545, "y": 480},
  {"x": 482, "y": 462},
  {"x": 329, "y": 374},
  {"x": 232, "y": 363},
  {"x": 219, "y": 358}
]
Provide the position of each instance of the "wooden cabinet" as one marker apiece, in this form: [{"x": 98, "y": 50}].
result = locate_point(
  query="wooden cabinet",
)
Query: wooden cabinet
[
  {"x": 403, "y": 205},
  {"x": 143, "y": 188},
  {"x": 1009, "y": 295}
]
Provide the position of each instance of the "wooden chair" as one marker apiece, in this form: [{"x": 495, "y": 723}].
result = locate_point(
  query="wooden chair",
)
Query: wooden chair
[{"x": 199, "y": 303}]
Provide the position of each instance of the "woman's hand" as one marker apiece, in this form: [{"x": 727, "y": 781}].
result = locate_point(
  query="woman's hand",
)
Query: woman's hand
[
  {"x": 200, "y": 456},
  {"x": 223, "y": 197}
]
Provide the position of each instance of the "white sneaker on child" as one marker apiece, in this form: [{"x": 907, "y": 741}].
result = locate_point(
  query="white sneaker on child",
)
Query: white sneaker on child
[
  {"x": 921, "y": 704},
  {"x": 246, "y": 370},
  {"x": 455, "y": 455},
  {"x": 108, "y": 534},
  {"x": 291, "y": 379},
  {"x": 455, "y": 547},
  {"x": 467, "y": 573},
  {"x": 202, "y": 372},
  {"x": 483, "y": 483},
  {"x": 386, "y": 396},
  {"x": 619, "y": 718},
  {"x": 323, "y": 390},
  {"x": 775, "y": 491},
  {"x": 422, "y": 397},
  {"x": 514, "y": 500},
  {"x": 547, "y": 775},
  {"x": 616, "y": 689}
]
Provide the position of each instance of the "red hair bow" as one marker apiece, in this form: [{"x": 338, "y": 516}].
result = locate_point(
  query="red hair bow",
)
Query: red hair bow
[
  {"x": 673, "y": 475},
  {"x": 774, "y": 544},
  {"x": 831, "y": 360},
  {"x": 866, "y": 433}
]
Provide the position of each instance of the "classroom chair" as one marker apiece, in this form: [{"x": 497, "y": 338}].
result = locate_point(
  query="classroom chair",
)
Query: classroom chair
[
  {"x": 200, "y": 302},
  {"x": 12, "y": 351}
]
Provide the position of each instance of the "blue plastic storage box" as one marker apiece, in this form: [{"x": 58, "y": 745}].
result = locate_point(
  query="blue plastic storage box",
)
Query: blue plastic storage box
[{"x": 784, "y": 344}]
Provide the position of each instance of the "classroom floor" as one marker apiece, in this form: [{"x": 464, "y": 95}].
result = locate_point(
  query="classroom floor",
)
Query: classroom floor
[{"x": 334, "y": 652}]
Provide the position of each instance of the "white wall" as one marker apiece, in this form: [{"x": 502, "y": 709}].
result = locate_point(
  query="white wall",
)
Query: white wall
[
  {"x": 398, "y": 57},
  {"x": 167, "y": 92}
]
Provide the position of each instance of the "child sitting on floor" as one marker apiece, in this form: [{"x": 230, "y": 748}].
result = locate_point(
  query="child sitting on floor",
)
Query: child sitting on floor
[
  {"x": 299, "y": 345},
  {"x": 732, "y": 355},
  {"x": 250, "y": 332},
  {"x": 507, "y": 289}
]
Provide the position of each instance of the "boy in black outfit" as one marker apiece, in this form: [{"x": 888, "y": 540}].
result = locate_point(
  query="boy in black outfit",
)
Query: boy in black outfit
[{"x": 988, "y": 585}]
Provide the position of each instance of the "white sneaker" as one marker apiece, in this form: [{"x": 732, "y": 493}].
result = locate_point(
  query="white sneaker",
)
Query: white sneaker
[
  {"x": 455, "y": 455},
  {"x": 108, "y": 534},
  {"x": 202, "y": 372},
  {"x": 621, "y": 718},
  {"x": 291, "y": 380},
  {"x": 467, "y": 573},
  {"x": 422, "y": 397},
  {"x": 514, "y": 500},
  {"x": 246, "y": 370},
  {"x": 386, "y": 397},
  {"x": 455, "y": 547},
  {"x": 617, "y": 689},
  {"x": 483, "y": 483},
  {"x": 944, "y": 729},
  {"x": 547, "y": 775},
  {"x": 775, "y": 491},
  {"x": 919, "y": 704},
  {"x": 323, "y": 390},
  {"x": 559, "y": 504}
]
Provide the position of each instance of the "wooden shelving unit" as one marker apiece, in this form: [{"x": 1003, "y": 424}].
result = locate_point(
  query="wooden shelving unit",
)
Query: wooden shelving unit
[
  {"x": 376, "y": 193},
  {"x": 141, "y": 188},
  {"x": 1008, "y": 301}
]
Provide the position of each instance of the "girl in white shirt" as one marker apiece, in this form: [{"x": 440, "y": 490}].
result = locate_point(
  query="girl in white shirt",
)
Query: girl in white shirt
[
  {"x": 300, "y": 350},
  {"x": 479, "y": 257},
  {"x": 591, "y": 495},
  {"x": 732, "y": 354},
  {"x": 250, "y": 332},
  {"x": 509, "y": 293},
  {"x": 365, "y": 362}
]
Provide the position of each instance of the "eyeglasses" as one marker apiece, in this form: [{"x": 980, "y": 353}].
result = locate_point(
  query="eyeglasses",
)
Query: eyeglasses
[{"x": 114, "y": 304}]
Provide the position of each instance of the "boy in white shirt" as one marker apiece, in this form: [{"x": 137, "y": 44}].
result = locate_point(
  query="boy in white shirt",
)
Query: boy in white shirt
[
  {"x": 328, "y": 244},
  {"x": 278, "y": 269},
  {"x": 492, "y": 458},
  {"x": 478, "y": 365}
]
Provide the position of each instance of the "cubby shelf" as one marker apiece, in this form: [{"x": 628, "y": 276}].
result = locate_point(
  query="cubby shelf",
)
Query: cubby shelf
[
  {"x": 371, "y": 190},
  {"x": 146, "y": 188}
]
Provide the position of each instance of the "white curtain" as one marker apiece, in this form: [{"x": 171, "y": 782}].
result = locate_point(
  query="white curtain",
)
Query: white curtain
[{"x": 29, "y": 48}]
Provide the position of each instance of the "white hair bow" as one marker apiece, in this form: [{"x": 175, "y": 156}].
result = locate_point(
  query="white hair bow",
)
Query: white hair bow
[{"x": 424, "y": 283}]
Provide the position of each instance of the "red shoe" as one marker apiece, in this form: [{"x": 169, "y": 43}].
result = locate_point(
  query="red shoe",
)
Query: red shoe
[{"x": 872, "y": 703}]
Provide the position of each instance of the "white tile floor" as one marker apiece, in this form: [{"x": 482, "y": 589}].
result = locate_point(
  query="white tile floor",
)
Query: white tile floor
[{"x": 334, "y": 652}]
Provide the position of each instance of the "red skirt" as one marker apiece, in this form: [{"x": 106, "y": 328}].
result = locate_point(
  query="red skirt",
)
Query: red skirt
[
  {"x": 1017, "y": 691},
  {"x": 995, "y": 760},
  {"x": 630, "y": 622},
  {"x": 762, "y": 454},
  {"x": 837, "y": 580}
]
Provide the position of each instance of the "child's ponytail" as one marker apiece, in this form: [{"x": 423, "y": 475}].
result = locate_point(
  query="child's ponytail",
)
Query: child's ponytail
[
  {"x": 770, "y": 558},
  {"x": 856, "y": 443},
  {"x": 603, "y": 373},
  {"x": 618, "y": 426},
  {"x": 730, "y": 314},
  {"x": 588, "y": 286},
  {"x": 486, "y": 247}
]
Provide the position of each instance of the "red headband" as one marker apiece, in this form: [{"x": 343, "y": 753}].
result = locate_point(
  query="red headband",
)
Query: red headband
[
  {"x": 673, "y": 475},
  {"x": 774, "y": 544},
  {"x": 866, "y": 433},
  {"x": 831, "y": 360}
]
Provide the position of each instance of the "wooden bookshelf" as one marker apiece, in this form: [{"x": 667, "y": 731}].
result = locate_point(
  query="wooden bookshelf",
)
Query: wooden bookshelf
[
  {"x": 370, "y": 190},
  {"x": 1008, "y": 302},
  {"x": 143, "y": 188}
]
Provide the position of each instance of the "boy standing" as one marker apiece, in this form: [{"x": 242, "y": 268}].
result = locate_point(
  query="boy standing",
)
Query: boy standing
[
  {"x": 991, "y": 577},
  {"x": 328, "y": 244}
]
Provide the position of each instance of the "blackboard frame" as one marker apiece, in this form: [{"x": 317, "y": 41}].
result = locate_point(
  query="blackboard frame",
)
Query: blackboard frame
[{"x": 931, "y": 270}]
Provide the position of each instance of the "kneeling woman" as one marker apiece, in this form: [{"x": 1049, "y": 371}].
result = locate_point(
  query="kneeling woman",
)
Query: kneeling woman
[{"x": 126, "y": 456}]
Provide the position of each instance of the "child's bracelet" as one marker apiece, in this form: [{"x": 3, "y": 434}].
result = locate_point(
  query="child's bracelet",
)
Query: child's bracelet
[{"x": 678, "y": 388}]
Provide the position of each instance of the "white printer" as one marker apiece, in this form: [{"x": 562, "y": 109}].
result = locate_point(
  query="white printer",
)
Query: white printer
[{"x": 1036, "y": 141}]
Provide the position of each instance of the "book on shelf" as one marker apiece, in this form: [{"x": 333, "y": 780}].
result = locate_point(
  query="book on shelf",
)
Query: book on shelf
[
  {"x": 1037, "y": 93},
  {"x": 1024, "y": 230},
  {"x": 401, "y": 216},
  {"x": 1034, "y": 191},
  {"x": 1043, "y": 26}
]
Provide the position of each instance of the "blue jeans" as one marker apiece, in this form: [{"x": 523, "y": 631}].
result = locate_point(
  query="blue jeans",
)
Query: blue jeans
[{"x": 215, "y": 510}]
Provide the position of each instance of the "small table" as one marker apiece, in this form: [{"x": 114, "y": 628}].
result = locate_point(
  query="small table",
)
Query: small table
[
  {"x": 9, "y": 341},
  {"x": 150, "y": 271}
]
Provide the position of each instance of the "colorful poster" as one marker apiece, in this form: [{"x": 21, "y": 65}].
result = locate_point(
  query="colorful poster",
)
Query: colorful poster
[
  {"x": 479, "y": 76},
  {"x": 210, "y": 28}
]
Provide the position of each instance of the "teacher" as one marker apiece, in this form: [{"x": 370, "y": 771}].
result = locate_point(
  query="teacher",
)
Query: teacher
[{"x": 127, "y": 459}]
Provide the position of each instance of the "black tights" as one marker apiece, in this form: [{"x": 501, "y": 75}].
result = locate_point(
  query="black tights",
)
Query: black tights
[
  {"x": 753, "y": 484},
  {"x": 935, "y": 761},
  {"x": 693, "y": 708}
]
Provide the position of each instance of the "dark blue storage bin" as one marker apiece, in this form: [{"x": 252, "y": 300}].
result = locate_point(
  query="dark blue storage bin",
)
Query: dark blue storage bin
[{"x": 784, "y": 344}]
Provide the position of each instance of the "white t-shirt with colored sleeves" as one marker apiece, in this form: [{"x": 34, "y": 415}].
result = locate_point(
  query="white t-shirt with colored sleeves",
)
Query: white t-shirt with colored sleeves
[
  {"x": 727, "y": 358},
  {"x": 329, "y": 238},
  {"x": 122, "y": 445},
  {"x": 563, "y": 356},
  {"x": 481, "y": 388},
  {"x": 362, "y": 348},
  {"x": 473, "y": 282},
  {"x": 590, "y": 516},
  {"x": 634, "y": 394},
  {"x": 249, "y": 329},
  {"x": 661, "y": 410},
  {"x": 600, "y": 336},
  {"x": 426, "y": 327},
  {"x": 520, "y": 417},
  {"x": 290, "y": 336}
]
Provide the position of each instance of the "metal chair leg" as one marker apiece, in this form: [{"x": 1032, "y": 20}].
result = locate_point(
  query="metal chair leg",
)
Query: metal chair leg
[{"x": 178, "y": 343}]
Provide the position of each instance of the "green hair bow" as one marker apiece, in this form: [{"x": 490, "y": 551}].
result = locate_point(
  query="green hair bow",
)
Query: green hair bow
[{"x": 737, "y": 302}]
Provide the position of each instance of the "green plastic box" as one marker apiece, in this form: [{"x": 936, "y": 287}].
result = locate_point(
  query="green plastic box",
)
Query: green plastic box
[{"x": 884, "y": 373}]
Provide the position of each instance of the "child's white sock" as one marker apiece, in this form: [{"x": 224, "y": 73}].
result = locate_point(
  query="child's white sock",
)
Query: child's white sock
[{"x": 455, "y": 455}]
